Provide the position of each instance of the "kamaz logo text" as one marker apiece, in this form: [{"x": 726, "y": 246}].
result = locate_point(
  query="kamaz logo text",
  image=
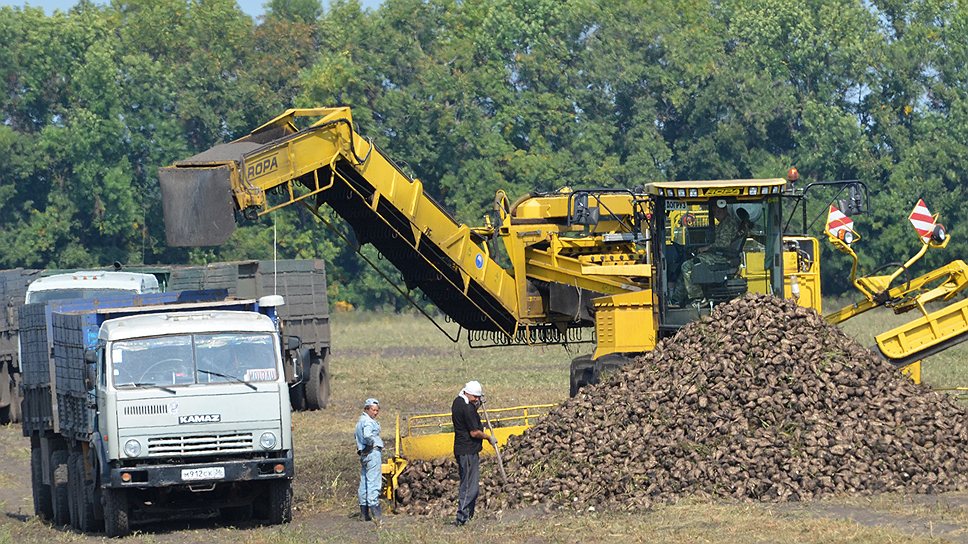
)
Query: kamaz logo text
[
  {"x": 261, "y": 168},
  {"x": 200, "y": 418},
  {"x": 726, "y": 191}
]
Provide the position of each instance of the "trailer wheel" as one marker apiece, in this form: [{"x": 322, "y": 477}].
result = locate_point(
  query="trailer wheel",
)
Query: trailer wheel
[
  {"x": 280, "y": 502},
  {"x": 61, "y": 514},
  {"x": 82, "y": 495},
  {"x": 317, "y": 386},
  {"x": 41, "y": 491},
  {"x": 116, "y": 513}
]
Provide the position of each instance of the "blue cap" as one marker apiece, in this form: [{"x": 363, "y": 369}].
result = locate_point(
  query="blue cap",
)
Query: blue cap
[{"x": 370, "y": 402}]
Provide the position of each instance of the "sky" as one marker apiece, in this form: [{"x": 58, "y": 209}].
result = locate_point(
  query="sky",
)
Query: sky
[{"x": 251, "y": 7}]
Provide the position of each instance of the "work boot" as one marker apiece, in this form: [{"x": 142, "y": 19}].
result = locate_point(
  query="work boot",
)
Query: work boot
[
  {"x": 364, "y": 512},
  {"x": 376, "y": 515}
]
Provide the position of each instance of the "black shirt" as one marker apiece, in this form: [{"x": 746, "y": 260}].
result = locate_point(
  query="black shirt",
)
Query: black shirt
[{"x": 466, "y": 419}]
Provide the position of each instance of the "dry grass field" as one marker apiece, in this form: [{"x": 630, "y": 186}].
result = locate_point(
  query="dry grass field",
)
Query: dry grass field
[{"x": 412, "y": 368}]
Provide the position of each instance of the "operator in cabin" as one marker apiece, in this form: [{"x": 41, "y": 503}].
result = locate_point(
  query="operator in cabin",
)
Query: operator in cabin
[{"x": 731, "y": 232}]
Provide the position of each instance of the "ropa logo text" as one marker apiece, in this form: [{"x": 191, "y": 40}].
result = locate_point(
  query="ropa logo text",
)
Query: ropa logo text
[
  {"x": 200, "y": 418},
  {"x": 731, "y": 191},
  {"x": 261, "y": 168}
]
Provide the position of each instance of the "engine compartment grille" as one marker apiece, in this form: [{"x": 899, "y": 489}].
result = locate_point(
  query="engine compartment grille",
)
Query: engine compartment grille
[{"x": 200, "y": 444}]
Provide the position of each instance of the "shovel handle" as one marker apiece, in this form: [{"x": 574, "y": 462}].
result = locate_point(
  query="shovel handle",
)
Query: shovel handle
[{"x": 497, "y": 449}]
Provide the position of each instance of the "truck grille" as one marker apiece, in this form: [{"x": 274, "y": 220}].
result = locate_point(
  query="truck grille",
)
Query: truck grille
[
  {"x": 146, "y": 410},
  {"x": 200, "y": 444}
]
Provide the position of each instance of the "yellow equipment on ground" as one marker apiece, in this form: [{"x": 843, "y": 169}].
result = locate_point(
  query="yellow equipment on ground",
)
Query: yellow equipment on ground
[
  {"x": 431, "y": 436},
  {"x": 600, "y": 266}
]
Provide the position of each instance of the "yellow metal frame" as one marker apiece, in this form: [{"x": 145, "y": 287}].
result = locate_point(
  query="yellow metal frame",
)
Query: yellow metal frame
[{"x": 431, "y": 436}]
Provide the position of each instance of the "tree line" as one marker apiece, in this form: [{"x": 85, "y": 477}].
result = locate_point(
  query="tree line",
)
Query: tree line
[{"x": 472, "y": 96}]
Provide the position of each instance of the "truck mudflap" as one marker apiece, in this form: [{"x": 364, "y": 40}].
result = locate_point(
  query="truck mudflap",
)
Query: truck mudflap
[{"x": 202, "y": 474}]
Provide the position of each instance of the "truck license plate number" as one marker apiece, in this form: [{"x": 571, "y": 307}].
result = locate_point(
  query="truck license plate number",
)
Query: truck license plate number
[{"x": 207, "y": 473}]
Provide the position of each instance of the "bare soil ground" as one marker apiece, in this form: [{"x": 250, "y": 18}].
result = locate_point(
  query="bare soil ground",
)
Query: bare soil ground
[{"x": 411, "y": 368}]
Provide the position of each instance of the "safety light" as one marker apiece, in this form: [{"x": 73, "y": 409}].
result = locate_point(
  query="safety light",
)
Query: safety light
[
  {"x": 279, "y": 469},
  {"x": 754, "y": 191},
  {"x": 693, "y": 193},
  {"x": 681, "y": 192},
  {"x": 125, "y": 477}
]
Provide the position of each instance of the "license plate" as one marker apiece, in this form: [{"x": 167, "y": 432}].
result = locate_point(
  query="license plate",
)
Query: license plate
[{"x": 207, "y": 473}]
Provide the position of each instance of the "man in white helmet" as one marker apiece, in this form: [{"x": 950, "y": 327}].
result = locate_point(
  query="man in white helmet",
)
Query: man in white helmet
[{"x": 469, "y": 436}]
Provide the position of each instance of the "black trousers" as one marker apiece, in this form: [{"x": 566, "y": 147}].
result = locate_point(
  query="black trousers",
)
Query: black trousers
[{"x": 469, "y": 468}]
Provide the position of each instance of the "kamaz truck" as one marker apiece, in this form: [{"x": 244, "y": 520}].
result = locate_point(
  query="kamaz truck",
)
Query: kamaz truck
[
  {"x": 153, "y": 405},
  {"x": 301, "y": 281}
]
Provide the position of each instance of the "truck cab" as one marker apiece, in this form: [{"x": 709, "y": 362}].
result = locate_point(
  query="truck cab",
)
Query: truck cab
[
  {"x": 193, "y": 414},
  {"x": 89, "y": 284}
]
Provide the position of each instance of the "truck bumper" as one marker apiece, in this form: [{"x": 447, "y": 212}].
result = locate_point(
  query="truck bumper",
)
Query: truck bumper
[{"x": 242, "y": 470}]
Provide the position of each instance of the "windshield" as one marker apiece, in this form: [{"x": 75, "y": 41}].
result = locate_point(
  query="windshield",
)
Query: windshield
[
  {"x": 189, "y": 359},
  {"x": 48, "y": 295},
  {"x": 714, "y": 251}
]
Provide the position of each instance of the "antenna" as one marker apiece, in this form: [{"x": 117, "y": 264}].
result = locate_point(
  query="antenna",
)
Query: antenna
[{"x": 275, "y": 274}]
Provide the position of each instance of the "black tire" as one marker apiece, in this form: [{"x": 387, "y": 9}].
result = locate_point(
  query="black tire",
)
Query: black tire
[
  {"x": 297, "y": 397},
  {"x": 117, "y": 513},
  {"x": 82, "y": 500},
  {"x": 317, "y": 384},
  {"x": 41, "y": 491},
  {"x": 581, "y": 373},
  {"x": 61, "y": 512},
  {"x": 74, "y": 490},
  {"x": 237, "y": 514},
  {"x": 15, "y": 413},
  {"x": 279, "y": 502}
]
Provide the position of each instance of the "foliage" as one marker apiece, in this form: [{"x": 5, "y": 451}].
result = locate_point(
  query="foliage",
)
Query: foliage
[{"x": 472, "y": 96}]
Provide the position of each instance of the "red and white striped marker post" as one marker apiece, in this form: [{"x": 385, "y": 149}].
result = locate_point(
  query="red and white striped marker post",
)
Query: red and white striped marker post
[
  {"x": 922, "y": 220},
  {"x": 839, "y": 225}
]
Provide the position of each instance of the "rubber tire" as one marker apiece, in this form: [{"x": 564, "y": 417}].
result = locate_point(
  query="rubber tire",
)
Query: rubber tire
[
  {"x": 297, "y": 397},
  {"x": 73, "y": 490},
  {"x": 117, "y": 513},
  {"x": 15, "y": 413},
  {"x": 41, "y": 492},
  {"x": 236, "y": 514},
  {"x": 317, "y": 385},
  {"x": 83, "y": 500},
  {"x": 59, "y": 492},
  {"x": 279, "y": 502}
]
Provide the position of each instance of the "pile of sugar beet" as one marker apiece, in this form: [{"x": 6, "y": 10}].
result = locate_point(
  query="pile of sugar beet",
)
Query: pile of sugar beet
[{"x": 762, "y": 400}]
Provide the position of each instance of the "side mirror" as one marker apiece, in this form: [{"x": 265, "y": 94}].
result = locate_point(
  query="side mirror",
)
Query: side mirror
[
  {"x": 293, "y": 342},
  {"x": 856, "y": 202},
  {"x": 584, "y": 214},
  {"x": 90, "y": 370}
]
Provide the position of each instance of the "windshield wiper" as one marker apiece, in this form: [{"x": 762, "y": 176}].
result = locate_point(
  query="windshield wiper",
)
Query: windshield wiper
[
  {"x": 150, "y": 384},
  {"x": 233, "y": 378}
]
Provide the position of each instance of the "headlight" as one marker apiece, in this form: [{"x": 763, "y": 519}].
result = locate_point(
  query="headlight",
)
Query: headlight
[
  {"x": 267, "y": 441},
  {"x": 132, "y": 448}
]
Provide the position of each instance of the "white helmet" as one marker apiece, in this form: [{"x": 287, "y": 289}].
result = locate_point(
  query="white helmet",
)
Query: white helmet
[{"x": 474, "y": 388}]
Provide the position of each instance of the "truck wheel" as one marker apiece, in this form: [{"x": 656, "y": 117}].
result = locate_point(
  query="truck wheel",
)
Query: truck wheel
[
  {"x": 317, "y": 386},
  {"x": 82, "y": 498},
  {"x": 61, "y": 513},
  {"x": 16, "y": 408},
  {"x": 41, "y": 491},
  {"x": 73, "y": 493},
  {"x": 116, "y": 513},
  {"x": 297, "y": 397},
  {"x": 280, "y": 502}
]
